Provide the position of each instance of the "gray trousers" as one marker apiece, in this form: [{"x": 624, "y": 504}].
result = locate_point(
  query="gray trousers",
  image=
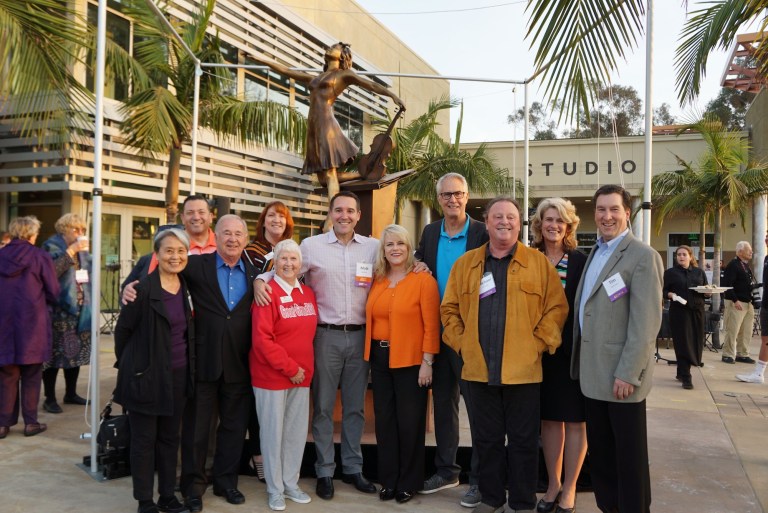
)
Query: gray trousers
[
  {"x": 339, "y": 362},
  {"x": 283, "y": 420}
]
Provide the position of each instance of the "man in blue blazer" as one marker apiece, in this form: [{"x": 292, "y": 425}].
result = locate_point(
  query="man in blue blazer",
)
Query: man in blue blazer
[{"x": 617, "y": 317}]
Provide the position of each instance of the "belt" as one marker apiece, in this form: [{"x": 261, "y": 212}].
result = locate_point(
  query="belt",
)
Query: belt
[
  {"x": 343, "y": 327},
  {"x": 380, "y": 343}
]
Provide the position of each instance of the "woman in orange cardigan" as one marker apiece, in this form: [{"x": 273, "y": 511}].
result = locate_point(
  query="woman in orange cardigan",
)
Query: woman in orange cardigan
[{"x": 402, "y": 336}]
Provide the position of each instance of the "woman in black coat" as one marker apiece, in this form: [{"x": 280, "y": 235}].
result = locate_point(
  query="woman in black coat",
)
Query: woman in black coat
[
  {"x": 686, "y": 320},
  {"x": 154, "y": 345}
]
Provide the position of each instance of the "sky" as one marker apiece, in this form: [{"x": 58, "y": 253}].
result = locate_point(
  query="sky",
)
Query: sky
[{"x": 485, "y": 38}]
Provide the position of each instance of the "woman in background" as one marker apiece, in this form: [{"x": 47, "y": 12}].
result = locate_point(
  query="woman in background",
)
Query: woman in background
[
  {"x": 563, "y": 426},
  {"x": 402, "y": 336},
  {"x": 154, "y": 346},
  {"x": 29, "y": 286},
  {"x": 72, "y": 314}
]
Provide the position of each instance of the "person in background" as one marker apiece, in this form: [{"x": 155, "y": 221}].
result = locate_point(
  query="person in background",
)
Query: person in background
[
  {"x": 282, "y": 365},
  {"x": 5, "y": 238},
  {"x": 563, "y": 427},
  {"x": 686, "y": 312},
  {"x": 402, "y": 336},
  {"x": 29, "y": 284},
  {"x": 739, "y": 313},
  {"x": 757, "y": 375},
  {"x": 274, "y": 225},
  {"x": 154, "y": 346},
  {"x": 72, "y": 314}
]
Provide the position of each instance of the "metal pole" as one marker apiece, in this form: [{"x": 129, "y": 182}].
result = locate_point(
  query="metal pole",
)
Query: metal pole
[
  {"x": 648, "y": 126},
  {"x": 526, "y": 157},
  {"x": 98, "y": 135},
  {"x": 195, "y": 116}
]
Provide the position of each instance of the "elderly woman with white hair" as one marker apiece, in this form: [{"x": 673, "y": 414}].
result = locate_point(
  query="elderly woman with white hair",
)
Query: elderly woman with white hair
[{"x": 282, "y": 364}]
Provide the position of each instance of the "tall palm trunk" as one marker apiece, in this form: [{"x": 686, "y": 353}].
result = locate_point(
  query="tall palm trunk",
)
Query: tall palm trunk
[
  {"x": 717, "y": 257},
  {"x": 172, "y": 186},
  {"x": 703, "y": 243}
]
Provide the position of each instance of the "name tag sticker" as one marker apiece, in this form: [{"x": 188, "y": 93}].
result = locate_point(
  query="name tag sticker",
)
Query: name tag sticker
[
  {"x": 363, "y": 274},
  {"x": 487, "y": 285},
  {"x": 615, "y": 287},
  {"x": 269, "y": 256},
  {"x": 286, "y": 299},
  {"x": 81, "y": 276}
]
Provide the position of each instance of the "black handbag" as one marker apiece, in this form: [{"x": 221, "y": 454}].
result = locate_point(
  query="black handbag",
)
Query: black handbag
[{"x": 114, "y": 431}]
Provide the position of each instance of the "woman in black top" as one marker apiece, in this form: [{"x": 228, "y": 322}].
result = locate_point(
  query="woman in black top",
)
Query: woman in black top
[
  {"x": 686, "y": 320},
  {"x": 154, "y": 345}
]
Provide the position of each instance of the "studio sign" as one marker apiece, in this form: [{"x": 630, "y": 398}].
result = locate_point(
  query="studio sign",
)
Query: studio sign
[{"x": 590, "y": 168}]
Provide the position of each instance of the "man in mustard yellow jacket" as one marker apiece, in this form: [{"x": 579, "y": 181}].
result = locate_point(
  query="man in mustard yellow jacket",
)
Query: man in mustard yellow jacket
[{"x": 503, "y": 307}]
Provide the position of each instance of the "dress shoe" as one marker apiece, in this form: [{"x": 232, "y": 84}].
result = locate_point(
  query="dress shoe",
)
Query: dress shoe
[
  {"x": 52, "y": 406},
  {"x": 194, "y": 504},
  {"x": 744, "y": 359},
  {"x": 34, "y": 429},
  {"x": 4, "y": 431},
  {"x": 232, "y": 495},
  {"x": 547, "y": 507},
  {"x": 727, "y": 359},
  {"x": 324, "y": 488},
  {"x": 147, "y": 507},
  {"x": 687, "y": 384},
  {"x": 565, "y": 510},
  {"x": 386, "y": 494},
  {"x": 76, "y": 399},
  {"x": 170, "y": 505},
  {"x": 402, "y": 497},
  {"x": 360, "y": 482}
]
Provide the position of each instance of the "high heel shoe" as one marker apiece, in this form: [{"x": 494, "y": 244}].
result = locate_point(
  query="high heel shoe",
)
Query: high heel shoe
[
  {"x": 547, "y": 507},
  {"x": 565, "y": 510}
]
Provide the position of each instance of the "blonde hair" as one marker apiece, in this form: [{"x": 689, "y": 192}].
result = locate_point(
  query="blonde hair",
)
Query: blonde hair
[
  {"x": 68, "y": 222},
  {"x": 24, "y": 227},
  {"x": 567, "y": 213},
  {"x": 399, "y": 233}
]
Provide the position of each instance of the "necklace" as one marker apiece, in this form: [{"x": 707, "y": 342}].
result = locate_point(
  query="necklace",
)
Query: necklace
[{"x": 555, "y": 261}]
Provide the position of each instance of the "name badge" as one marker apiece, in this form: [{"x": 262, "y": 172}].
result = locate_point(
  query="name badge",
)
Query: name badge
[
  {"x": 615, "y": 287},
  {"x": 81, "y": 276},
  {"x": 269, "y": 256},
  {"x": 286, "y": 299},
  {"x": 487, "y": 285},
  {"x": 363, "y": 275}
]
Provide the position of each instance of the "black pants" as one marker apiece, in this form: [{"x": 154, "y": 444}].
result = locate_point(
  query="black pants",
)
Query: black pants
[
  {"x": 155, "y": 444},
  {"x": 70, "y": 382},
  {"x": 618, "y": 451},
  {"x": 230, "y": 401},
  {"x": 508, "y": 412},
  {"x": 400, "y": 407}
]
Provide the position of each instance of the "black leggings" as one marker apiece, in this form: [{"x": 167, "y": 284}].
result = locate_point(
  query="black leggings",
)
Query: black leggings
[{"x": 70, "y": 382}]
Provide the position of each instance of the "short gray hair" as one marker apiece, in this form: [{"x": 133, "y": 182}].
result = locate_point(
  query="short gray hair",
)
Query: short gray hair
[
  {"x": 171, "y": 232},
  {"x": 741, "y": 245},
  {"x": 233, "y": 216},
  {"x": 24, "y": 227},
  {"x": 287, "y": 246},
  {"x": 446, "y": 176}
]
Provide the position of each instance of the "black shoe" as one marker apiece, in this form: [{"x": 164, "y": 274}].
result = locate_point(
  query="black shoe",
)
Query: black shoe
[
  {"x": 402, "y": 497},
  {"x": 687, "y": 384},
  {"x": 232, "y": 495},
  {"x": 386, "y": 494},
  {"x": 76, "y": 399},
  {"x": 547, "y": 507},
  {"x": 171, "y": 505},
  {"x": 147, "y": 507},
  {"x": 360, "y": 482},
  {"x": 52, "y": 406},
  {"x": 565, "y": 510},
  {"x": 194, "y": 504},
  {"x": 744, "y": 359},
  {"x": 727, "y": 359},
  {"x": 324, "y": 488}
]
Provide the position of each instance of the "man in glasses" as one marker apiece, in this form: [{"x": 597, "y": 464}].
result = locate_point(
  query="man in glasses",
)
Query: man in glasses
[{"x": 441, "y": 244}]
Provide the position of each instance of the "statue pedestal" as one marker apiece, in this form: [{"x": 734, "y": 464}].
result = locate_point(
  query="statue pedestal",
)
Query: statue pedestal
[{"x": 377, "y": 201}]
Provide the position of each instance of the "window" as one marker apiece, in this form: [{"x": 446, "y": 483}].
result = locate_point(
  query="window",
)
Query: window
[{"x": 119, "y": 31}]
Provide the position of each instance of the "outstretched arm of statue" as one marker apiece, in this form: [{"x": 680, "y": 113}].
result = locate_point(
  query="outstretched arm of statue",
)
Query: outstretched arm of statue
[{"x": 299, "y": 76}]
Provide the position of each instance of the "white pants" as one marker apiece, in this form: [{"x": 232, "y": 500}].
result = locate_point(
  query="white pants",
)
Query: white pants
[{"x": 283, "y": 424}]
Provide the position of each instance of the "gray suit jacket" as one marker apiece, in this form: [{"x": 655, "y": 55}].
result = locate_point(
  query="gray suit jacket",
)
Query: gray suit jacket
[{"x": 618, "y": 337}]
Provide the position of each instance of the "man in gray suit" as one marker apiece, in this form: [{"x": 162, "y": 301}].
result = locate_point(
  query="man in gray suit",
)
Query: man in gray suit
[{"x": 618, "y": 307}]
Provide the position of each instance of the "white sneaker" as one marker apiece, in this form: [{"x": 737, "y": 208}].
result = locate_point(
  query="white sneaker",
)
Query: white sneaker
[
  {"x": 276, "y": 502},
  {"x": 752, "y": 377},
  {"x": 297, "y": 495}
]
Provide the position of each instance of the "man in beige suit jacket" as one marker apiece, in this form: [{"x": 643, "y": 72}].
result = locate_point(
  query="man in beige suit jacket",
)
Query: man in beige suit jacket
[{"x": 618, "y": 313}]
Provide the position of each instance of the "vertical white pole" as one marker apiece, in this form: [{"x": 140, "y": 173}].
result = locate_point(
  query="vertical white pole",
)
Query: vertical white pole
[
  {"x": 648, "y": 125},
  {"x": 98, "y": 139},
  {"x": 195, "y": 116},
  {"x": 526, "y": 158}
]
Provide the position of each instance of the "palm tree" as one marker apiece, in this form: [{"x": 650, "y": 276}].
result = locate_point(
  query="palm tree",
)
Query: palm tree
[
  {"x": 723, "y": 179},
  {"x": 579, "y": 43},
  {"x": 417, "y": 146},
  {"x": 158, "y": 113}
]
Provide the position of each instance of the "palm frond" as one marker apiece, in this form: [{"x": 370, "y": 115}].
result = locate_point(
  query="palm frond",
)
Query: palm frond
[{"x": 155, "y": 120}]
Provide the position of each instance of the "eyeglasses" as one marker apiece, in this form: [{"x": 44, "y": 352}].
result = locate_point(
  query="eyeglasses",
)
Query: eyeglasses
[{"x": 456, "y": 194}]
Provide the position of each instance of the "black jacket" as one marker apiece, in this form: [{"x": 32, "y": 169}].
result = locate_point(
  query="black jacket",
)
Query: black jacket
[
  {"x": 679, "y": 281},
  {"x": 739, "y": 276},
  {"x": 477, "y": 235},
  {"x": 143, "y": 350}
]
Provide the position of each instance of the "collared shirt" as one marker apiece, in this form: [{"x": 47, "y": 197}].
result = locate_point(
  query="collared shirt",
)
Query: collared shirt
[
  {"x": 194, "y": 249},
  {"x": 449, "y": 249},
  {"x": 329, "y": 269},
  {"x": 603, "y": 251},
  {"x": 232, "y": 281},
  {"x": 287, "y": 287}
]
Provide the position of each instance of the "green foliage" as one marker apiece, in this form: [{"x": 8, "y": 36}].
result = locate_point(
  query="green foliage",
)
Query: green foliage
[{"x": 730, "y": 107}]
